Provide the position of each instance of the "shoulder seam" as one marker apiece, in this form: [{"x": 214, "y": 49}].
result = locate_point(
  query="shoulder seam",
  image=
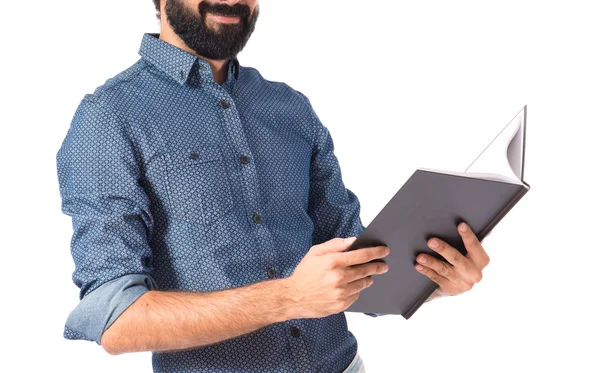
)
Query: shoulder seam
[{"x": 118, "y": 83}]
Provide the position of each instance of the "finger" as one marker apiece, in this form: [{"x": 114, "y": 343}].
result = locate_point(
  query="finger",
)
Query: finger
[
  {"x": 449, "y": 253},
  {"x": 333, "y": 245},
  {"x": 434, "y": 276},
  {"x": 359, "y": 285},
  {"x": 364, "y": 255},
  {"x": 363, "y": 270},
  {"x": 350, "y": 300},
  {"x": 439, "y": 266},
  {"x": 474, "y": 248}
]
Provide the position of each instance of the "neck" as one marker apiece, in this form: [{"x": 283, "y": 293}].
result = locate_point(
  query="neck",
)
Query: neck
[{"x": 218, "y": 67}]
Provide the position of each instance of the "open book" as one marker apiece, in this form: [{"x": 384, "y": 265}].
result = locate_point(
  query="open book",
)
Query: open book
[{"x": 431, "y": 204}]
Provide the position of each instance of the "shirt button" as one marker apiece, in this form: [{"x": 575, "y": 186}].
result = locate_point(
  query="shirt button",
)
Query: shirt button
[
  {"x": 194, "y": 156},
  {"x": 224, "y": 104},
  {"x": 245, "y": 159},
  {"x": 271, "y": 273},
  {"x": 257, "y": 218},
  {"x": 296, "y": 332}
]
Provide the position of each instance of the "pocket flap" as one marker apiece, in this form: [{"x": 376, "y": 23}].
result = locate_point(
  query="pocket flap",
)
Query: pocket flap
[{"x": 189, "y": 157}]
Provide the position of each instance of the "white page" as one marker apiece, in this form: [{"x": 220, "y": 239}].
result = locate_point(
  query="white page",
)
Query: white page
[{"x": 504, "y": 155}]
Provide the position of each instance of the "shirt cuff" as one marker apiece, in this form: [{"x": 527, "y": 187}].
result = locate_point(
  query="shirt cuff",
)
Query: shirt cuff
[{"x": 100, "y": 308}]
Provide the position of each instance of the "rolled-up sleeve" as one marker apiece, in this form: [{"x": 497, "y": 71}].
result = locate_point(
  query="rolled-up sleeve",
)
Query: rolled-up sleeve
[{"x": 99, "y": 173}]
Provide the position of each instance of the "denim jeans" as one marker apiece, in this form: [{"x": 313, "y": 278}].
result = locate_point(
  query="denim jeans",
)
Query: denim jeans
[{"x": 356, "y": 366}]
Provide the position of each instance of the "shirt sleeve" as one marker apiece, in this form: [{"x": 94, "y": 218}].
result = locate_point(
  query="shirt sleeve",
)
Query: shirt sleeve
[
  {"x": 99, "y": 174},
  {"x": 100, "y": 308},
  {"x": 334, "y": 209}
]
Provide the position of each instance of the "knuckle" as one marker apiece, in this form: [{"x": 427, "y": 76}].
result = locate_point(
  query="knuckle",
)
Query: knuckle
[
  {"x": 332, "y": 262},
  {"x": 364, "y": 256},
  {"x": 339, "y": 293},
  {"x": 478, "y": 277},
  {"x": 443, "y": 269},
  {"x": 347, "y": 302},
  {"x": 335, "y": 278},
  {"x": 486, "y": 261},
  {"x": 457, "y": 257},
  {"x": 365, "y": 270},
  {"x": 338, "y": 241},
  {"x": 338, "y": 279}
]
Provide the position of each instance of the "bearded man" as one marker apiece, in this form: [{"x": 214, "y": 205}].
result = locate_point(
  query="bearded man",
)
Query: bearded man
[{"x": 209, "y": 213}]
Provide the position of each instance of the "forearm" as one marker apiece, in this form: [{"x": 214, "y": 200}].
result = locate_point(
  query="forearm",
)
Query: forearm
[{"x": 167, "y": 321}]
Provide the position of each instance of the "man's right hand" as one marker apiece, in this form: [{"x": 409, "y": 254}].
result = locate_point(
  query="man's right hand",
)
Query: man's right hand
[{"x": 328, "y": 279}]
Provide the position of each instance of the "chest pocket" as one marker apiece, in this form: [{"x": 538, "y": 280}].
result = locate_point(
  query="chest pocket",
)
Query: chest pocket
[{"x": 197, "y": 185}]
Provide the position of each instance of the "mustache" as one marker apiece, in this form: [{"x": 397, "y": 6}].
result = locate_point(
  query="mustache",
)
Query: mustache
[{"x": 238, "y": 10}]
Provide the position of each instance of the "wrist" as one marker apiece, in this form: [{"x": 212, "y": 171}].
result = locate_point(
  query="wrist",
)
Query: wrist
[{"x": 282, "y": 300}]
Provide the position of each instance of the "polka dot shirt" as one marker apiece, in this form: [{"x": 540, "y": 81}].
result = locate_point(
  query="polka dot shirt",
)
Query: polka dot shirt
[{"x": 174, "y": 182}]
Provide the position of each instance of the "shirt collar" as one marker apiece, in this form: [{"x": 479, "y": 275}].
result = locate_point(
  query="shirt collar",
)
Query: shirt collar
[{"x": 177, "y": 63}]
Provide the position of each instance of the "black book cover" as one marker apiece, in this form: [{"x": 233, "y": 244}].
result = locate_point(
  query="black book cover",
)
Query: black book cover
[{"x": 429, "y": 204}]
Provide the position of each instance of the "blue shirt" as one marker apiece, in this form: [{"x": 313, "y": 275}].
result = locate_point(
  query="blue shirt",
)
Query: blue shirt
[{"x": 175, "y": 182}]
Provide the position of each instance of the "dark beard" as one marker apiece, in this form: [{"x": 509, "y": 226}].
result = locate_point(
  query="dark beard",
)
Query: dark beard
[{"x": 222, "y": 43}]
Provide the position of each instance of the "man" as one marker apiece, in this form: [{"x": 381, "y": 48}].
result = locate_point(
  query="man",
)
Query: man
[{"x": 209, "y": 211}]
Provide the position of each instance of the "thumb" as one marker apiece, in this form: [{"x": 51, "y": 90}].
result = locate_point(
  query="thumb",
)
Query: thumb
[{"x": 334, "y": 245}]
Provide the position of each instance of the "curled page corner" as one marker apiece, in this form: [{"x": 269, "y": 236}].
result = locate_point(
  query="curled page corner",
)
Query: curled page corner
[{"x": 504, "y": 155}]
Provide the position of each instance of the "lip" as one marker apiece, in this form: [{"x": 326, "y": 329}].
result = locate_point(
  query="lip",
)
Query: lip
[{"x": 224, "y": 19}]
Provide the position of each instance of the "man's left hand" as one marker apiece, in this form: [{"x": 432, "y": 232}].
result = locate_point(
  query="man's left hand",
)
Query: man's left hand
[{"x": 462, "y": 272}]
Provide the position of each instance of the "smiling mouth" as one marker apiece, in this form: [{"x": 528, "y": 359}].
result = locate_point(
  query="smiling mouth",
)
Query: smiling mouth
[{"x": 224, "y": 18}]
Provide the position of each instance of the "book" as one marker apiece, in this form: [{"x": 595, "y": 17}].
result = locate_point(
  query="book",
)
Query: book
[{"x": 431, "y": 204}]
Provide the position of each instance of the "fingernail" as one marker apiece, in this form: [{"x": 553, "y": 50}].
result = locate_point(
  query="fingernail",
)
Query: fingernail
[
  {"x": 463, "y": 227},
  {"x": 349, "y": 239},
  {"x": 385, "y": 269},
  {"x": 419, "y": 267},
  {"x": 433, "y": 244},
  {"x": 422, "y": 259}
]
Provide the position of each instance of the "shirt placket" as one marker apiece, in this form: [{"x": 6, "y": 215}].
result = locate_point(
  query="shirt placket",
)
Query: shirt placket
[
  {"x": 254, "y": 212},
  {"x": 297, "y": 345},
  {"x": 233, "y": 127}
]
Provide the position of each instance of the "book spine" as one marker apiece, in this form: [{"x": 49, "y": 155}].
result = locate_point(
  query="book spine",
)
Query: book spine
[
  {"x": 420, "y": 301},
  {"x": 488, "y": 228}
]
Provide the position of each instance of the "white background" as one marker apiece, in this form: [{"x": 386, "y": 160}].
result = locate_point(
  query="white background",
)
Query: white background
[{"x": 400, "y": 85}]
